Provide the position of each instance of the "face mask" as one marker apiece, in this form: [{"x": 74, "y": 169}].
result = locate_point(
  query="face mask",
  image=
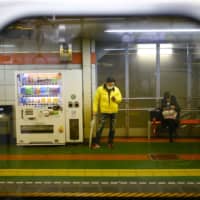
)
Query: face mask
[{"x": 110, "y": 87}]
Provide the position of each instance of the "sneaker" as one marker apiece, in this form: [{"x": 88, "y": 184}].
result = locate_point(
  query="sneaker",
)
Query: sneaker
[
  {"x": 110, "y": 146},
  {"x": 96, "y": 146}
]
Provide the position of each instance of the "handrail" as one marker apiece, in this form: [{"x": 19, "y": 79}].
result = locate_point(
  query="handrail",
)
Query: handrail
[
  {"x": 152, "y": 108},
  {"x": 143, "y": 98},
  {"x": 136, "y": 109},
  {"x": 154, "y": 98}
]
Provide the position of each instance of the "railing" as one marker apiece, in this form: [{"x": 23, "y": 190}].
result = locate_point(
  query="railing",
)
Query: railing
[{"x": 187, "y": 112}]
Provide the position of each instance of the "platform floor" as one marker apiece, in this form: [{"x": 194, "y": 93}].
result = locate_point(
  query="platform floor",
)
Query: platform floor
[{"x": 135, "y": 167}]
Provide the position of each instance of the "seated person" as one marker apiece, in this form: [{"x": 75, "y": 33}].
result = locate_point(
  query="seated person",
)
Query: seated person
[{"x": 170, "y": 112}]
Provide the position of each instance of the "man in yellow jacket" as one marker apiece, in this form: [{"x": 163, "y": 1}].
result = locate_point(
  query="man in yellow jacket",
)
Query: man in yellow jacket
[{"x": 106, "y": 101}]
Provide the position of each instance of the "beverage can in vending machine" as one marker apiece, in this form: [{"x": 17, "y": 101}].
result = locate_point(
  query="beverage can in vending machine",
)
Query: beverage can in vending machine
[
  {"x": 23, "y": 90},
  {"x": 49, "y": 100},
  {"x": 37, "y": 91},
  {"x": 43, "y": 90},
  {"x": 43, "y": 100},
  {"x": 29, "y": 90},
  {"x": 55, "y": 100}
]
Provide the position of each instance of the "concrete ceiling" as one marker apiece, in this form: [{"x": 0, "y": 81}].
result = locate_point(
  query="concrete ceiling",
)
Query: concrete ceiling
[{"x": 93, "y": 28}]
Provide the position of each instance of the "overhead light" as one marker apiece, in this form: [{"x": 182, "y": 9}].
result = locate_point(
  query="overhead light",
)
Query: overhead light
[
  {"x": 7, "y": 45},
  {"x": 150, "y": 49},
  {"x": 146, "y": 46},
  {"x": 151, "y": 30},
  {"x": 147, "y": 49},
  {"x": 114, "y": 49},
  {"x": 166, "y": 46},
  {"x": 153, "y": 51},
  {"x": 166, "y": 51},
  {"x": 150, "y": 46}
]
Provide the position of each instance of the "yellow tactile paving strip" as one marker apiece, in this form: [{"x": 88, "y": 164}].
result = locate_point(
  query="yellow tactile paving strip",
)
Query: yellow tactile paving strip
[{"x": 100, "y": 172}]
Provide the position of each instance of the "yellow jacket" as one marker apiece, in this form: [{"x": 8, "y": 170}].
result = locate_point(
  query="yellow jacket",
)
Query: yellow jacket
[{"x": 103, "y": 100}]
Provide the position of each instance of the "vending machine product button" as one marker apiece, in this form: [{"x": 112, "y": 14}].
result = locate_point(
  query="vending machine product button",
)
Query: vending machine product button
[{"x": 60, "y": 129}]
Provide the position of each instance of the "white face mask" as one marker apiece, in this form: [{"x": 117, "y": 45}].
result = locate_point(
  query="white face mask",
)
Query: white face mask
[{"x": 110, "y": 87}]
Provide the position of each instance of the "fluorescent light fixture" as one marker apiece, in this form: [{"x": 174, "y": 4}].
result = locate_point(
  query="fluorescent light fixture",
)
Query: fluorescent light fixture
[
  {"x": 153, "y": 46},
  {"x": 166, "y": 51},
  {"x": 7, "y": 45},
  {"x": 152, "y": 30},
  {"x": 146, "y": 46},
  {"x": 119, "y": 49},
  {"x": 150, "y": 49},
  {"x": 166, "y": 46},
  {"x": 114, "y": 49},
  {"x": 153, "y": 51},
  {"x": 146, "y": 51}
]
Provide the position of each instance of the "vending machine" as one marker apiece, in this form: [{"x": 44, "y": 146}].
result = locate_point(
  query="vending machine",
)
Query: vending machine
[
  {"x": 49, "y": 107},
  {"x": 40, "y": 116}
]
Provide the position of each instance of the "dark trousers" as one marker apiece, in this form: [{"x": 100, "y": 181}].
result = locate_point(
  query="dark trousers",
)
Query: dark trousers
[
  {"x": 172, "y": 125},
  {"x": 112, "y": 120}
]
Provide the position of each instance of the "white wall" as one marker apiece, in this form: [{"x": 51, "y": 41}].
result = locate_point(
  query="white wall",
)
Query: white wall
[{"x": 7, "y": 72}]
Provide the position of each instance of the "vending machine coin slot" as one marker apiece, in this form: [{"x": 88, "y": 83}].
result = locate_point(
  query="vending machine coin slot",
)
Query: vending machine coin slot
[
  {"x": 76, "y": 104},
  {"x": 70, "y": 104},
  {"x": 29, "y": 114},
  {"x": 22, "y": 114}
]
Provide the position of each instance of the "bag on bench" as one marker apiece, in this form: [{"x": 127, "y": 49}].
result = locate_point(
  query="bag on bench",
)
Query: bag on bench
[{"x": 169, "y": 114}]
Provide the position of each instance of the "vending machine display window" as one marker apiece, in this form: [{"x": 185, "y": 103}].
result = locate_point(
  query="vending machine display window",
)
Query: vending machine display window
[{"x": 39, "y": 89}]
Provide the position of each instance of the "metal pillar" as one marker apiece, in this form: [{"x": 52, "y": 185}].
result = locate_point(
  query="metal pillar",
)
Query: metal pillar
[
  {"x": 127, "y": 91},
  {"x": 157, "y": 74},
  {"x": 93, "y": 71},
  {"x": 189, "y": 77},
  {"x": 87, "y": 84}
]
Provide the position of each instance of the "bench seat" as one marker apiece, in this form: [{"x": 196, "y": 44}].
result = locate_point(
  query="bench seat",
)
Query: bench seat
[{"x": 182, "y": 122}]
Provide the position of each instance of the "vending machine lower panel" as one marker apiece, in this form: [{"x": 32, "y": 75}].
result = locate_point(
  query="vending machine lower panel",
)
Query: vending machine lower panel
[
  {"x": 40, "y": 135},
  {"x": 28, "y": 129}
]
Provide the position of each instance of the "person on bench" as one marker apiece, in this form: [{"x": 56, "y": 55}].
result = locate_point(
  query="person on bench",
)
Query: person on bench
[{"x": 170, "y": 111}]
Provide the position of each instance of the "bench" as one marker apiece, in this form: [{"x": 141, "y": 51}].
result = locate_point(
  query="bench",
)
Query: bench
[{"x": 153, "y": 124}]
